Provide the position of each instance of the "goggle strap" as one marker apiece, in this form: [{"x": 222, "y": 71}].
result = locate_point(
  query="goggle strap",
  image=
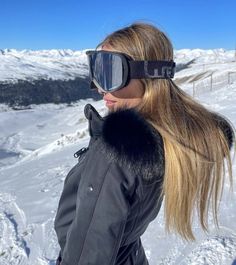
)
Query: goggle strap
[
  {"x": 92, "y": 85},
  {"x": 152, "y": 69}
]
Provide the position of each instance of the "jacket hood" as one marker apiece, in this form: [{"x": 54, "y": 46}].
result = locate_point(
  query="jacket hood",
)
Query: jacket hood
[{"x": 129, "y": 139}]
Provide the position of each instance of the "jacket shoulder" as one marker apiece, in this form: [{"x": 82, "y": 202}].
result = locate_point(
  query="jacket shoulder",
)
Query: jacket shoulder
[
  {"x": 134, "y": 143},
  {"x": 226, "y": 127}
]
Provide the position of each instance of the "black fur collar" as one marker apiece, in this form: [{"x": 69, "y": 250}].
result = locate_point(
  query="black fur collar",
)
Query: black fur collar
[
  {"x": 134, "y": 143},
  {"x": 129, "y": 139}
]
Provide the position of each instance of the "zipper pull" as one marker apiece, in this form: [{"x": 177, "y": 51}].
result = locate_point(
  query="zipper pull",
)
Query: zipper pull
[{"x": 80, "y": 152}]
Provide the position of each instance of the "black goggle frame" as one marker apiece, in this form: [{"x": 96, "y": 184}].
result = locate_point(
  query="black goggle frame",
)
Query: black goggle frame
[{"x": 132, "y": 69}]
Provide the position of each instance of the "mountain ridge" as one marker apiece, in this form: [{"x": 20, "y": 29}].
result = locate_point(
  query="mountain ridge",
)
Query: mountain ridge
[{"x": 66, "y": 64}]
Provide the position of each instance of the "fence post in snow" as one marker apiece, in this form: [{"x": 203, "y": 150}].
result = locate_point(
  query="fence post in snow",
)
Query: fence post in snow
[{"x": 230, "y": 80}]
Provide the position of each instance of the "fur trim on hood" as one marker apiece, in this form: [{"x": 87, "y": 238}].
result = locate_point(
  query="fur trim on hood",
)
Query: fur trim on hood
[
  {"x": 129, "y": 139},
  {"x": 134, "y": 142}
]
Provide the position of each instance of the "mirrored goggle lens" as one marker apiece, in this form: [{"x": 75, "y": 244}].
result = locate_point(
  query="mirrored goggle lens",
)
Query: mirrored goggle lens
[{"x": 107, "y": 70}]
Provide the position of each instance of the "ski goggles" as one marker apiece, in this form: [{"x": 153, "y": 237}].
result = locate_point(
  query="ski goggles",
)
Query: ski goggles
[{"x": 110, "y": 71}]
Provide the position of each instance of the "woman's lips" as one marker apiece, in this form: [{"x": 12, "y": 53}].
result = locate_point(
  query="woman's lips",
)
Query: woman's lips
[{"x": 109, "y": 102}]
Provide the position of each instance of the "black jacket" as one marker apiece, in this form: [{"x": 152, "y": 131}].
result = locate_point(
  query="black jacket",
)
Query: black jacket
[{"x": 113, "y": 192}]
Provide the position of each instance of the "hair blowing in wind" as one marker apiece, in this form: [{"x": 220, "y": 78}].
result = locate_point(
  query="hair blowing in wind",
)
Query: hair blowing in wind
[{"x": 197, "y": 149}]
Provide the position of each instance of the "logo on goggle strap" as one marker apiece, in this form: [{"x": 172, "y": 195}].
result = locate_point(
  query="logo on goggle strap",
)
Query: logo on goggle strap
[{"x": 160, "y": 72}]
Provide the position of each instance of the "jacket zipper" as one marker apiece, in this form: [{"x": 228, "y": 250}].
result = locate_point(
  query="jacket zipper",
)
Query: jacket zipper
[{"x": 80, "y": 152}]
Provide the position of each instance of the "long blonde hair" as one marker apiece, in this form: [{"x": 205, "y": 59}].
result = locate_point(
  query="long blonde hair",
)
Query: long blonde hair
[{"x": 195, "y": 144}]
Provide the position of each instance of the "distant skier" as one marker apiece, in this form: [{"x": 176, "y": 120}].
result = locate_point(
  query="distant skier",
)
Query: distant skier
[{"x": 157, "y": 143}]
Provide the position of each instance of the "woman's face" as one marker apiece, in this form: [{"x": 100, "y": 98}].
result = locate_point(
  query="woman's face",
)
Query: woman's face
[{"x": 126, "y": 97}]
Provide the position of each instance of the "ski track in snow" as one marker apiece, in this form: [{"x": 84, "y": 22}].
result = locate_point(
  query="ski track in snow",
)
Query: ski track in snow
[
  {"x": 22, "y": 243},
  {"x": 13, "y": 246}
]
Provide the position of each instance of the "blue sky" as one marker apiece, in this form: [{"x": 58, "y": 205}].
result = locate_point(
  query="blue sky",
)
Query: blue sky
[{"x": 79, "y": 24}]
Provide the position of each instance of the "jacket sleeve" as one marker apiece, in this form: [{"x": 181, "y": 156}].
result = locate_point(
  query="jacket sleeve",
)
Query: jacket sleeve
[
  {"x": 65, "y": 215},
  {"x": 102, "y": 207},
  {"x": 67, "y": 203}
]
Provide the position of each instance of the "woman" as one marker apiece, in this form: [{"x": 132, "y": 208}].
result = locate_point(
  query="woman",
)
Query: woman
[{"x": 156, "y": 143}]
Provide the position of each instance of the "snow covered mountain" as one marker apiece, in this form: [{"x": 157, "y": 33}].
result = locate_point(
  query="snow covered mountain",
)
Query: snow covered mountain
[
  {"x": 60, "y": 76},
  {"x": 67, "y": 64},
  {"x": 45, "y": 64},
  {"x": 47, "y": 76},
  {"x": 36, "y": 153}
]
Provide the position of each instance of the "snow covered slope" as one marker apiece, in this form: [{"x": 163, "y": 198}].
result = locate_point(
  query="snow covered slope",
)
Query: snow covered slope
[
  {"x": 30, "y": 65},
  {"x": 36, "y": 153}
]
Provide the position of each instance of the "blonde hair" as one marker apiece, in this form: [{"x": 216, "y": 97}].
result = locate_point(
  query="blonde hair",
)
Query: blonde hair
[{"x": 195, "y": 144}]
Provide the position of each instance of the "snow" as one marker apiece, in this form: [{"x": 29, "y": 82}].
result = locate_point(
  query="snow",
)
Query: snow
[
  {"x": 45, "y": 64},
  {"x": 36, "y": 153},
  {"x": 204, "y": 56}
]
